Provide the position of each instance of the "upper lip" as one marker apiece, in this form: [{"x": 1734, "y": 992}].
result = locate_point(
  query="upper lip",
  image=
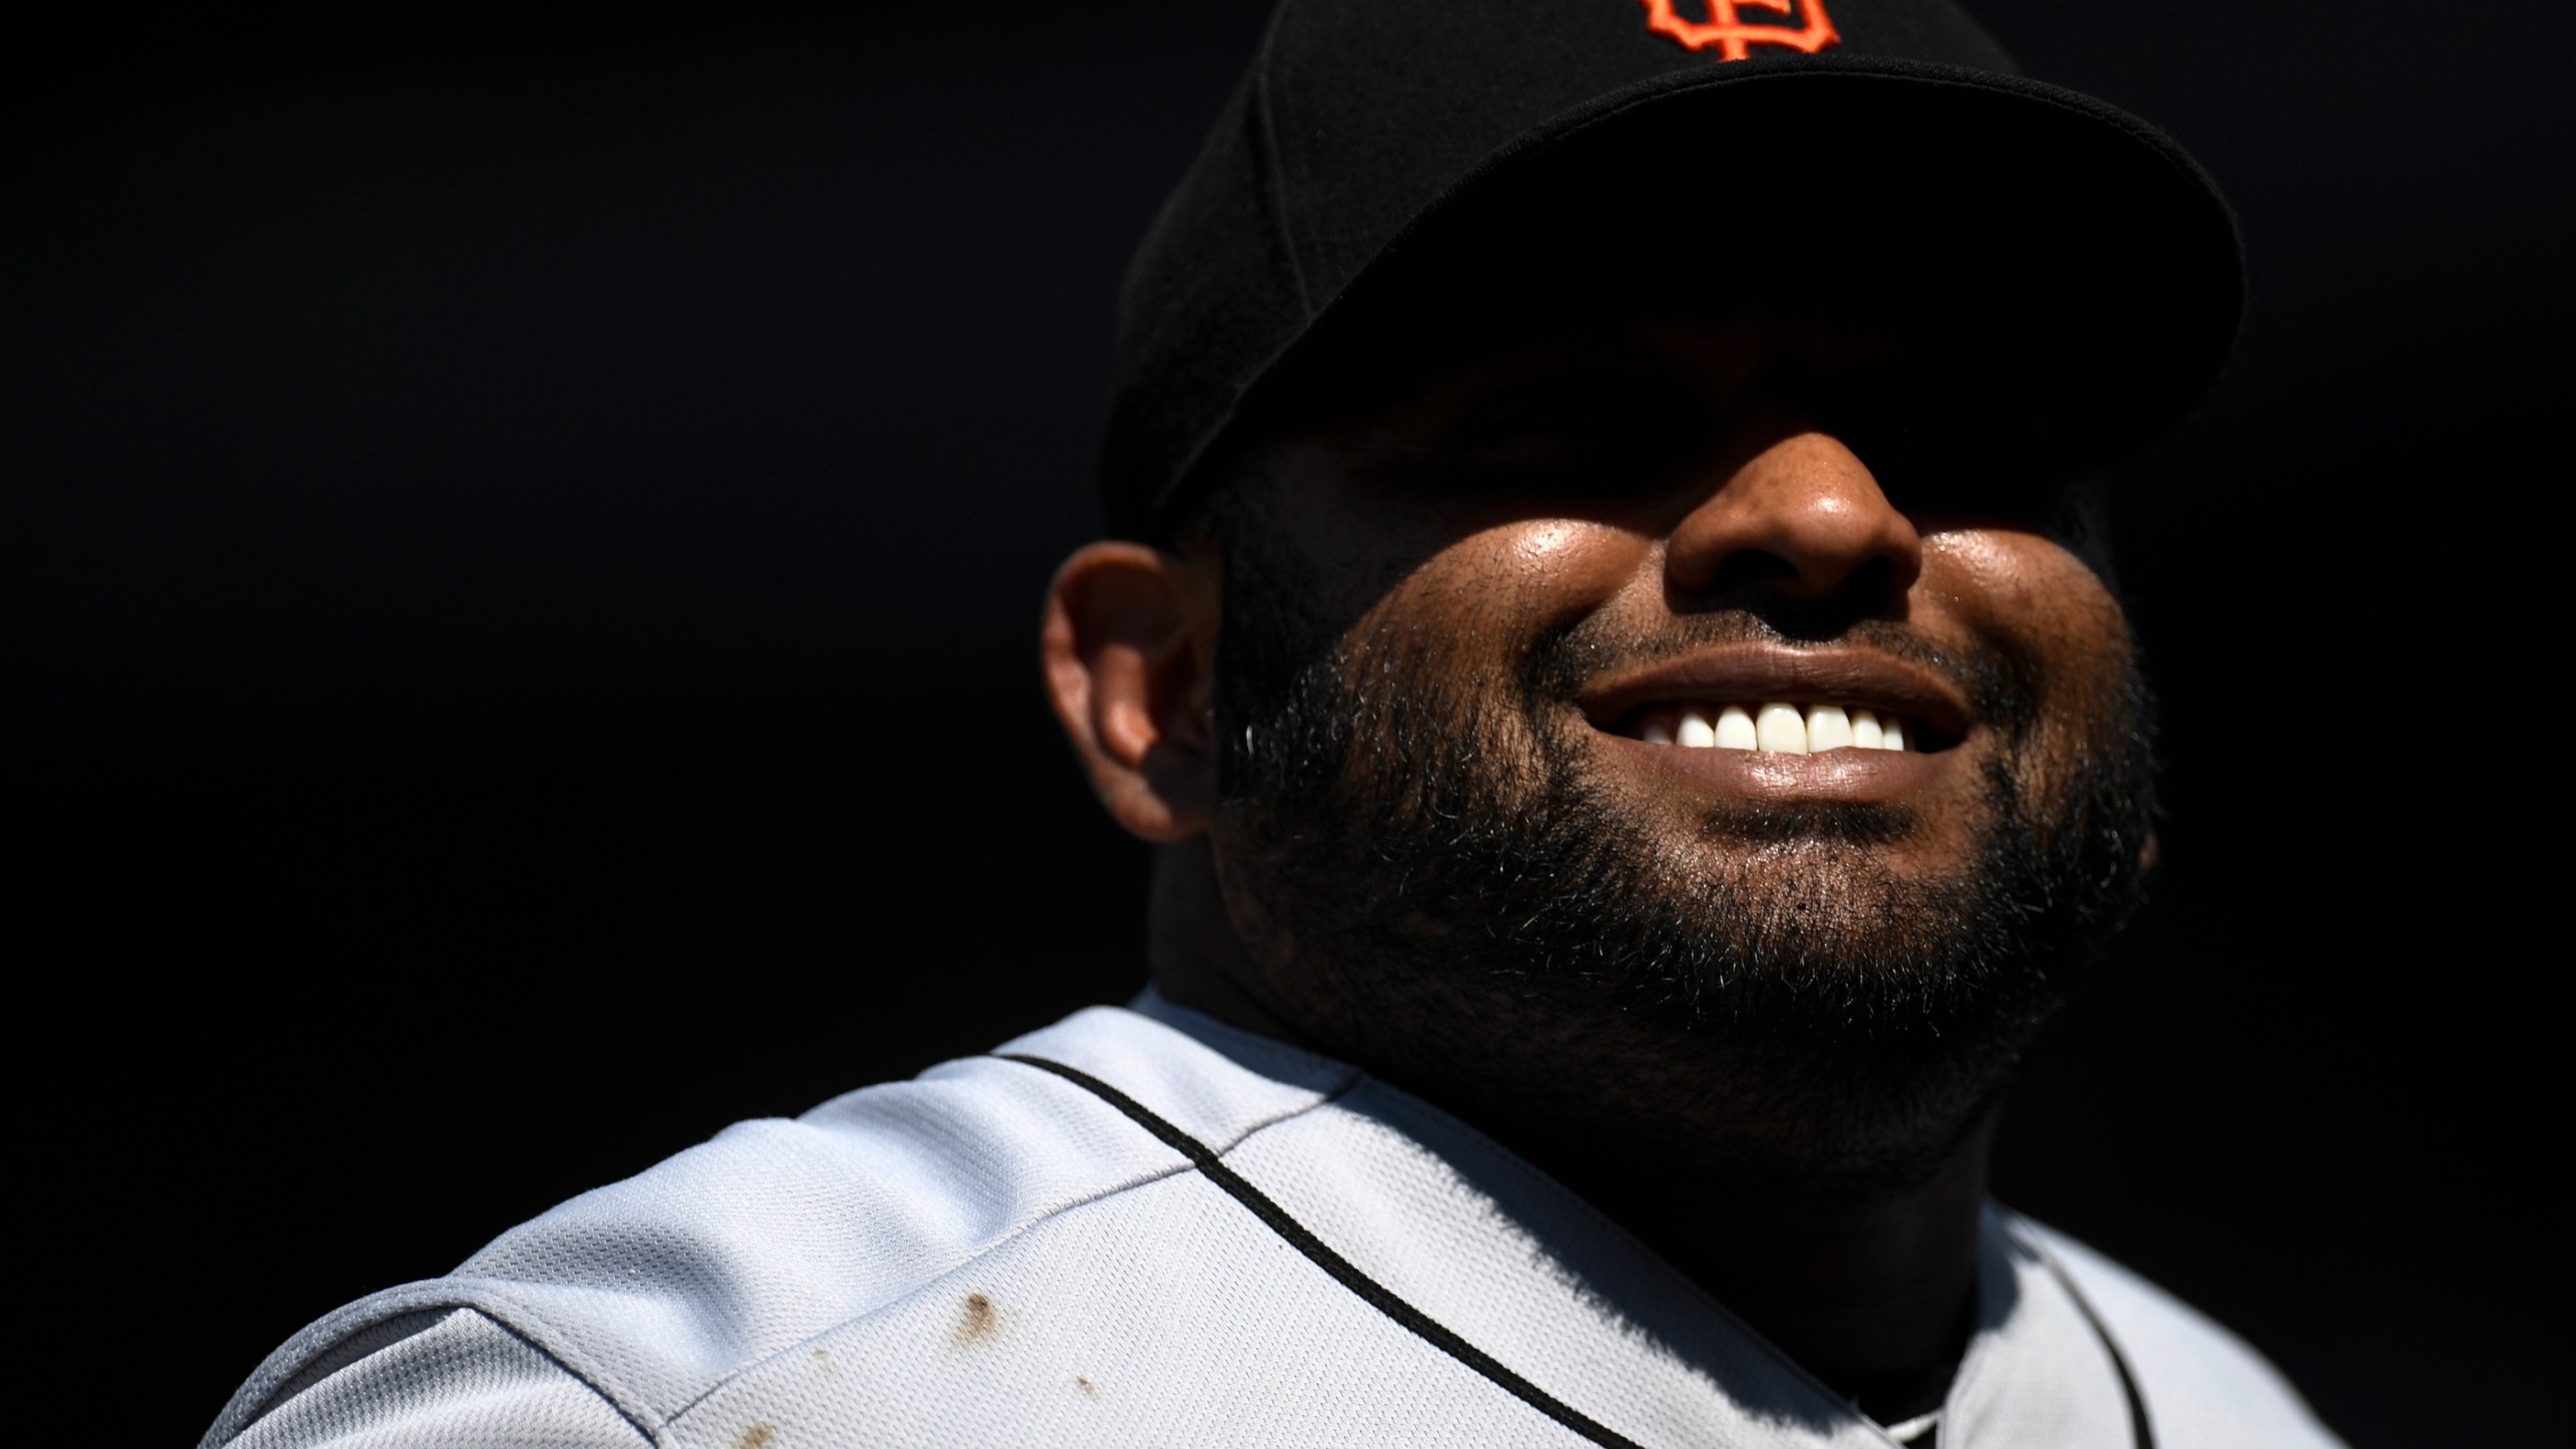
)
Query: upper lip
[{"x": 1753, "y": 674}]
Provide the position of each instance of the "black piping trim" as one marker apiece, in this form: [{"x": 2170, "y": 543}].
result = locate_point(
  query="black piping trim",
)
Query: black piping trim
[
  {"x": 1341, "y": 1269},
  {"x": 2142, "y": 1435}
]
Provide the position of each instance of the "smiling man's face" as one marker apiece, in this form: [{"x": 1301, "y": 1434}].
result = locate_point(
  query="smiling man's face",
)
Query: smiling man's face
[{"x": 1600, "y": 701}]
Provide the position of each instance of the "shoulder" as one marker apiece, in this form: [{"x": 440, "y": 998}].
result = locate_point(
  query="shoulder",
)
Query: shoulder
[
  {"x": 2202, "y": 1384},
  {"x": 432, "y": 1376},
  {"x": 646, "y": 1294}
]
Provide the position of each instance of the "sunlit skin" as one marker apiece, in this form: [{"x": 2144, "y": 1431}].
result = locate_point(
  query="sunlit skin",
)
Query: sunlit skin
[{"x": 1621, "y": 479}]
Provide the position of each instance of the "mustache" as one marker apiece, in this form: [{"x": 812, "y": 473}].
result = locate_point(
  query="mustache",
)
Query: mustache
[{"x": 1999, "y": 686}]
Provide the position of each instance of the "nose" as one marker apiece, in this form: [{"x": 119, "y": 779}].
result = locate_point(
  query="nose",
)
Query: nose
[{"x": 1803, "y": 519}]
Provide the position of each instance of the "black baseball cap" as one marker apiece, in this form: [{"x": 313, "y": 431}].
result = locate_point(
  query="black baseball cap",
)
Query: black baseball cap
[{"x": 1875, "y": 147}]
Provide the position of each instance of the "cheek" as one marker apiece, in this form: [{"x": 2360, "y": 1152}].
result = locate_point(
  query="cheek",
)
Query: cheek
[
  {"x": 2041, "y": 605},
  {"x": 1551, "y": 546},
  {"x": 2026, "y": 592},
  {"x": 1493, "y": 591}
]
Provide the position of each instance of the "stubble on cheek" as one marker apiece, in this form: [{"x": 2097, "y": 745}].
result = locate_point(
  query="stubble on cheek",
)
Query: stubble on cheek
[
  {"x": 1460, "y": 642},
  {"x": 2066, "y": 644},
  {"x": 1414, "y": 726}
]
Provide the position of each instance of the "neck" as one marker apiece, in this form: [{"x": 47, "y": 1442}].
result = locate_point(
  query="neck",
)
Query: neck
[{"x": 1873, "y": 1292}]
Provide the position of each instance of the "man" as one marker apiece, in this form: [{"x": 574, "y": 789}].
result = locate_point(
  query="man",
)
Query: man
[{"x": 1611, "y": 637}]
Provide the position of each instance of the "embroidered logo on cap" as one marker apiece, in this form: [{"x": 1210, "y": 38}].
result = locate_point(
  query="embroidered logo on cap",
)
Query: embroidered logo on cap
[{"x": 1732, "y": 35}]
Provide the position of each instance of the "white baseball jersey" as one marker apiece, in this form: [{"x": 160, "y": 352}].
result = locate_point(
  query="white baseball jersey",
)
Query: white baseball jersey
[{"x": 1140, "y": 1226}]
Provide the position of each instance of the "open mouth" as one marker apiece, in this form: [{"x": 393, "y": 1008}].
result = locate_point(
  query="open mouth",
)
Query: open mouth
[
  {"x": 1778, "y": 727},
  {"x": 1784, "y": 703}
]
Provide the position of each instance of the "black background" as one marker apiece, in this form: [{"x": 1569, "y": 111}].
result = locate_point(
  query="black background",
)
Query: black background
[{"x": 525, "y": 543}]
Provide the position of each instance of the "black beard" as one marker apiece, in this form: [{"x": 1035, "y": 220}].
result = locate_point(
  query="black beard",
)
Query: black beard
[{"x": 1430, "y": 887}]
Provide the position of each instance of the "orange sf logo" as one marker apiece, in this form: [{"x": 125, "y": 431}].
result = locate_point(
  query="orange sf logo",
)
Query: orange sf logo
[{"x": 1731, "y": 35}]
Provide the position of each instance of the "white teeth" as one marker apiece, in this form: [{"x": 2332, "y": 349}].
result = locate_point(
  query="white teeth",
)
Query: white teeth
[
  {"x": 1828, "y": 728},
  {"x": 1780, "y": 729},
  {"x": 1775, "y": 727}
]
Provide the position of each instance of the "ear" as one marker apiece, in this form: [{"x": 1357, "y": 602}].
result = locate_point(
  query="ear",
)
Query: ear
[{"x": 1128, "y": 646}]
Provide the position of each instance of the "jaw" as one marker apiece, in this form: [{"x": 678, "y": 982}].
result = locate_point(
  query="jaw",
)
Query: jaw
[{"x": 1785, "y": 963}]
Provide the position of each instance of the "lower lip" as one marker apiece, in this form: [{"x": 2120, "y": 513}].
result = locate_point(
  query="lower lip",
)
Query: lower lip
[{"x": 1855, "y": 775}]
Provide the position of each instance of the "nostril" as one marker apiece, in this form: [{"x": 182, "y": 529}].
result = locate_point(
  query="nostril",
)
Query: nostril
[
  {"x": 1874, "y": 583},
  {"x": 1801, "y": 603},
  {"x": 1751, "y": 568}
]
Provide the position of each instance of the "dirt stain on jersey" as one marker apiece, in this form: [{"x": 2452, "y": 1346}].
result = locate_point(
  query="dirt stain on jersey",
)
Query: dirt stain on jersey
[
  {"x": 823, "y": 1364},
  {"x": 1089, "y": 1390},
  {"x": 755, "y": 1436},
  {"x": 981, "y": 1321}
]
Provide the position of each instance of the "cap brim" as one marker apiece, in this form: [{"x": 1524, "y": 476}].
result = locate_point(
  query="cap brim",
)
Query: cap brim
[{"x": 2067, "y": 225}]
